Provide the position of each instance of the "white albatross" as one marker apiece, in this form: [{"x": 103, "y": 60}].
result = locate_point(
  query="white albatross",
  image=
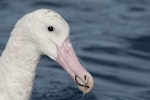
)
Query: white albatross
[{"x": 40, "y": 32}]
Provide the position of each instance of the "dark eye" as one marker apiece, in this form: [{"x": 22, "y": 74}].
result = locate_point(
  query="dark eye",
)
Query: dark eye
[{"x": 50, "y": 28}]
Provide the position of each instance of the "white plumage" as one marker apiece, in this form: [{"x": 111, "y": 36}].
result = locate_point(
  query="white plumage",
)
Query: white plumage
[{"x": 30, "y": 39}]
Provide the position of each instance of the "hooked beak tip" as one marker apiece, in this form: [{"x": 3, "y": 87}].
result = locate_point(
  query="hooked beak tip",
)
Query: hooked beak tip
[{"x": 85, "y": 86}]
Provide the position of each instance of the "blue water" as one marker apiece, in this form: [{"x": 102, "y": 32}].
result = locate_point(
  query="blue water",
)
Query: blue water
[{"x": 112, "y": 37}]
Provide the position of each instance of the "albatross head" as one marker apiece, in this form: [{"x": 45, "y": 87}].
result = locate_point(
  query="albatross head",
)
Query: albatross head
[{"x": 49, "y": 32}]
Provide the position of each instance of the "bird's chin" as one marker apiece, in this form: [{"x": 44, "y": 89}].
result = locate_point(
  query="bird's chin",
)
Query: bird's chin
[{"x": 67, "y": 58}]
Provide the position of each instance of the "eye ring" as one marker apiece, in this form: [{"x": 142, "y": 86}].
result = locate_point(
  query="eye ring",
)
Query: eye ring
[{"x": 50, "y": 28}]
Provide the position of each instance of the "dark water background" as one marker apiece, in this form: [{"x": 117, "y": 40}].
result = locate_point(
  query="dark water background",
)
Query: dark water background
[{"x": 112, "y": 37}]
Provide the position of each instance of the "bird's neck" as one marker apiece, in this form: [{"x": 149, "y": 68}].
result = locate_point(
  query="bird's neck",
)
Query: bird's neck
[{"x": 18, "y": 68}]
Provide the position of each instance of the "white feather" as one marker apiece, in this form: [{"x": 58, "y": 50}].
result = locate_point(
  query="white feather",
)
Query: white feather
[{"x": 29, "y": 39}]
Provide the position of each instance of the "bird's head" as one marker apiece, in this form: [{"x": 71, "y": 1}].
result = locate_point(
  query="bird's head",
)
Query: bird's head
[{"x": 49, "y": 32}]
